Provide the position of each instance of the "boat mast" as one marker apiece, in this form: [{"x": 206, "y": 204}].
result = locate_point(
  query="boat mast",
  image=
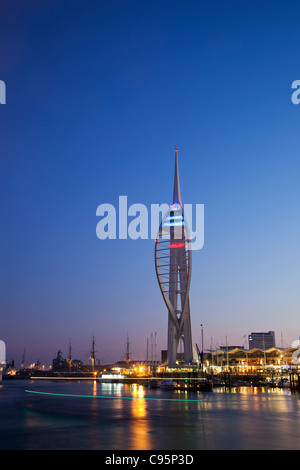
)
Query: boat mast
[{"x": 92, "y": 356}]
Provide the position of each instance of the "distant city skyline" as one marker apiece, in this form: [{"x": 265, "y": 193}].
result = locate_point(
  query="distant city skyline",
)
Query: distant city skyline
[{"x": 97, "y": 98}]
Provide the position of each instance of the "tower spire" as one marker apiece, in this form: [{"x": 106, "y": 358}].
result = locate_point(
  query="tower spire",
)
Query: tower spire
[{"x": 176, "y": 193}]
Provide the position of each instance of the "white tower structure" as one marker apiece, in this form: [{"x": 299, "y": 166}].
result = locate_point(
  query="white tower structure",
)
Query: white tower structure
[
  {"x": 2, "y": 357},
  {"x": 173, "y": 269}
]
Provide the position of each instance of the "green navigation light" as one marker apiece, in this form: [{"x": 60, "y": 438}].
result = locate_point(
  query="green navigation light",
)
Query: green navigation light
[{"x": 110, "y": 396}]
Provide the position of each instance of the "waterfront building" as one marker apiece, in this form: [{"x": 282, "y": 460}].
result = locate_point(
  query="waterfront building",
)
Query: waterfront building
[
  {"x": 244, "y": 361},
  {"x": 264, "y": 340},
  {"x": 173, "y": 269},
  {"x": 59, "y": 364}
]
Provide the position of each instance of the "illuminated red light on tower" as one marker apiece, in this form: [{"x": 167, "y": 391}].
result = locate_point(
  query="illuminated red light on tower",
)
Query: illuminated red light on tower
[{"x": 177, "y": 245}]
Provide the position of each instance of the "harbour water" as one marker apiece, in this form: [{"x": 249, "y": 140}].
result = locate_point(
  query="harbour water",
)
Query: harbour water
[{"x": 89, "y": 415}]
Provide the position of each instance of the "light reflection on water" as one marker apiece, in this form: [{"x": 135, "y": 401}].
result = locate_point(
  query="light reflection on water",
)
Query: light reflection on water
[
  {"x": 238, "y": 418},
  {"x": 141, "y": 428}
]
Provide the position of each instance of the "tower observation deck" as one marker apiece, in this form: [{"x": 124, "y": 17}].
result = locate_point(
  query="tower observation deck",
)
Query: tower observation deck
[{"x": 173, "y": 269}]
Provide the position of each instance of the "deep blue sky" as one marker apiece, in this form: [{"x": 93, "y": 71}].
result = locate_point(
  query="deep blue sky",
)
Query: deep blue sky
[{"x": 98, "y": 95}]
